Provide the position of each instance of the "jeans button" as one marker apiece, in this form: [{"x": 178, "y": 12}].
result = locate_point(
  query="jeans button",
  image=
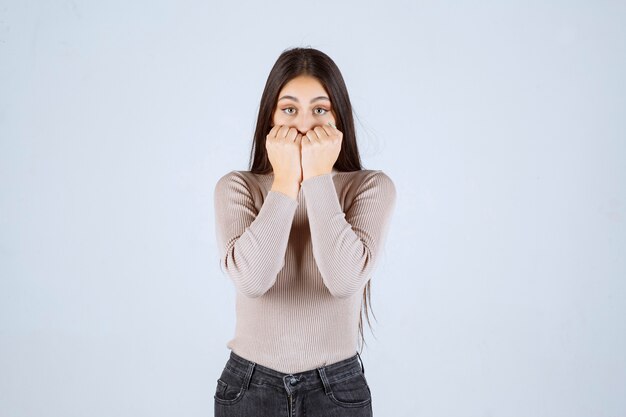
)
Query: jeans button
[{"x": 293, "y": 381}]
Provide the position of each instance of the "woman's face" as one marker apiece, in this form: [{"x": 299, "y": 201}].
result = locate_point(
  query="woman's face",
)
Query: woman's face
[{"x": 303, "y": 104}]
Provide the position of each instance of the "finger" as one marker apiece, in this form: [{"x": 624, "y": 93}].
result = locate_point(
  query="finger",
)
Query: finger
[
  {"x": 291, "y": 134},
  {"x": 273, "y": 130},
  {"x": 328, "y": 129},
  {"x": 312, "y": 136},
  {"x": 282, "y": 132},
  {"x": 331, "y": 128},
  {"x": 322, "y": 133}
]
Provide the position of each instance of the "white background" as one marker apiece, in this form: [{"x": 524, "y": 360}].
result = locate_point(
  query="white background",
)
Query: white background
[{"x": 501, "y": 291}]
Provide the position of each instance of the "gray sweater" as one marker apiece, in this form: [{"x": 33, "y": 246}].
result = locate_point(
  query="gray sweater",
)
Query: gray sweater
[{"x": 299, "y": 267}]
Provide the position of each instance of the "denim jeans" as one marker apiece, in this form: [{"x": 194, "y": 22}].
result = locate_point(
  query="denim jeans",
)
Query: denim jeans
[{"x": 247, "y": 389}]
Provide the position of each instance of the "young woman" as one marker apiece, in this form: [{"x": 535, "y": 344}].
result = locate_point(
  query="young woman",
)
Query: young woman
[{"x": 299, "y": 236}]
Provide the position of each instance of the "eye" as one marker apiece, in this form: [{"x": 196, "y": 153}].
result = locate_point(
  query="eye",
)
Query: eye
[{"x": 324, "y": 111}]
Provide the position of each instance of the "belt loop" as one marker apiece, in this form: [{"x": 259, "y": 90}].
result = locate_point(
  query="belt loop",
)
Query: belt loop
[
  {"x": 360, "y": 360},
  {"x": 246, "y": 380},
  {"x": 322, "y": 372}
]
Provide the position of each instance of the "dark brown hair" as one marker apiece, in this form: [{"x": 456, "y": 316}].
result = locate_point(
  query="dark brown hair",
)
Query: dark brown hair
[{"x": 309, "y": 61}]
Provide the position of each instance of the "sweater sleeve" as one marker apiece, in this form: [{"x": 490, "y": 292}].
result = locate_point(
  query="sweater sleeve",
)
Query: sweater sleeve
[
  {"x": 346, "y": 245},
  {"x": 252, "y": 243}
]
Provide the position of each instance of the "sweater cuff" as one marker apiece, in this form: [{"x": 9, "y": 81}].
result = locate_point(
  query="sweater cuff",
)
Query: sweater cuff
[{"x": 280, "y": 204}]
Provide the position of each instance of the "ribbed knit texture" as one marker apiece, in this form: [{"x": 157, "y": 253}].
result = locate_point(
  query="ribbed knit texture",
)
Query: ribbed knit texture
[{"x": 300, "y": 266}]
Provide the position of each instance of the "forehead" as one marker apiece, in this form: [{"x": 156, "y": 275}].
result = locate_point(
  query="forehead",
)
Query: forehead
[{"x": 303, "y": 86}]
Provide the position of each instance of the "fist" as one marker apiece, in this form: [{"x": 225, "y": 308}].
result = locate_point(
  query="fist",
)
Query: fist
[{"x": 320, "y": 150}]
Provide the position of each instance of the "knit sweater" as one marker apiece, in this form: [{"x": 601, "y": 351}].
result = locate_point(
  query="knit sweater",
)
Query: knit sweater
[{"x": 299, "y": 266}]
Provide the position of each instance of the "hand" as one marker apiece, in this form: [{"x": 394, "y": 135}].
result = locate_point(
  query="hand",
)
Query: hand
[
  {"x": 283, "y": 151},
  {"x": 320, "y": 150}
]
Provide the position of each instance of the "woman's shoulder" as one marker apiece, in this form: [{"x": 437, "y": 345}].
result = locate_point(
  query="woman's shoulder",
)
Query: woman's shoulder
[
  {"x": 240, "y": 175},
  {"x": 379, "y": 173},
  {"x": 374, "y": 176},
  {"x": 366, "y": 182},
  {"x": 236, "y": 179},
  {"x": 244, "y": 182},
  {"x": 230, "y": 177}
]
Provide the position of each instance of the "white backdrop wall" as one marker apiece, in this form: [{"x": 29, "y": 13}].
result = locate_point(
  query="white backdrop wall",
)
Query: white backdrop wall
[{"x": 501, "y": 291}]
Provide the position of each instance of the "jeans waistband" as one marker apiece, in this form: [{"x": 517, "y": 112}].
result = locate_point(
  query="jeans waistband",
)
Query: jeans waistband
[{"x": 313, "y": 378}]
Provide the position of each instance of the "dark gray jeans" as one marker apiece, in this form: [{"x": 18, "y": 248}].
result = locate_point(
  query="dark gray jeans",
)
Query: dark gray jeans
[{"x": 247, "y": 389}]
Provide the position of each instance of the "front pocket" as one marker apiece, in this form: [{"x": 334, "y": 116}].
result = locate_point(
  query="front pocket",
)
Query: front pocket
[
  {"x": 351, "y": 392},
  {"x": 221, "y": 387},
  {"x": 230, "y": 388}
]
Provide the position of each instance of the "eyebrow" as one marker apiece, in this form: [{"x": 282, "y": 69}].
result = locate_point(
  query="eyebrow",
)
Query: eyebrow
[{"x": 296, "y": 100}]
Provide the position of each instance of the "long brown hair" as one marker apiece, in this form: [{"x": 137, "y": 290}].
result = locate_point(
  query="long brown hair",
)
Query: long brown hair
[{"x": 292, "y": 63}]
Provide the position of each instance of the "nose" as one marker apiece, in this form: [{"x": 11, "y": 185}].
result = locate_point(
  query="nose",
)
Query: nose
[{"x": 304, "y": 123}]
